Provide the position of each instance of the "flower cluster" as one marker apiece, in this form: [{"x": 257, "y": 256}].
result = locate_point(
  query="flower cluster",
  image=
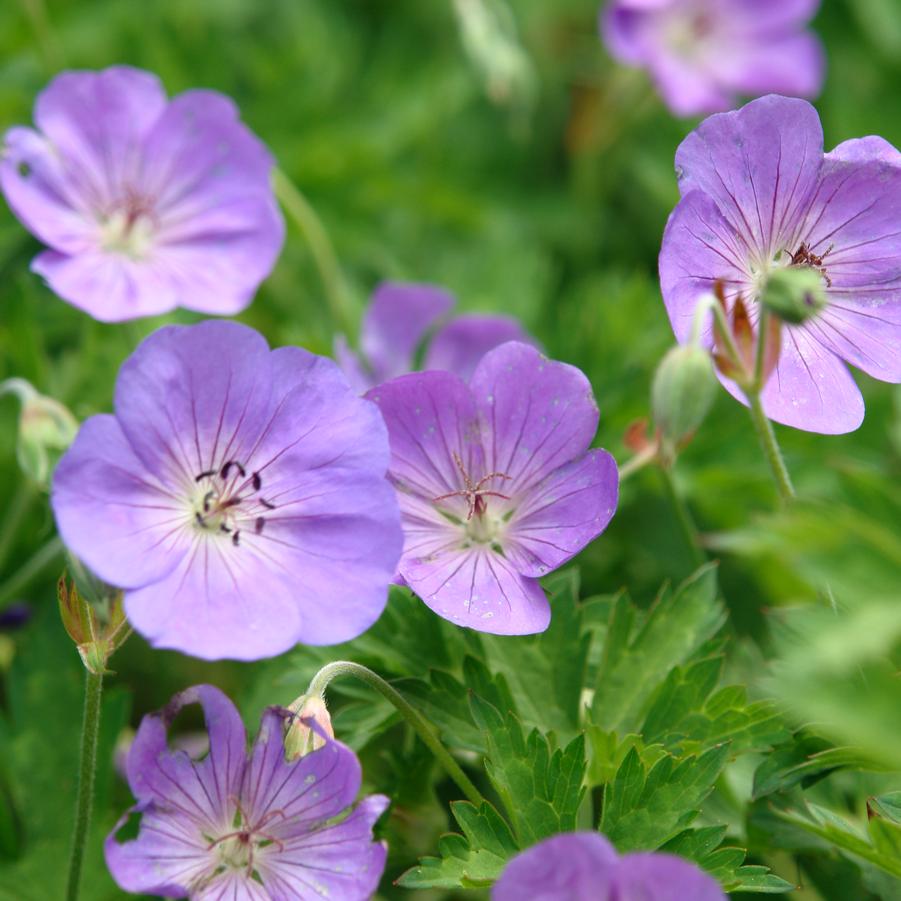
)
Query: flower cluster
[
  {"x": 400, "y": 316},
  {"x": 758, "y": 195},
  {"x": 702, "y": 54},
  {"x": 233, "y": 825},
  {"x": 145, "y": 203}
]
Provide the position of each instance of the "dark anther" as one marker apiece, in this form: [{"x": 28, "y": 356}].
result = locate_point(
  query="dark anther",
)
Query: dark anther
[
  {"x": 227, "y": 468},
  {"x": 206, "y": 501},
  {"x": 231, "y": 502},
  {"x": 235, "y": 535},
  {"x": 224, "y": 528},
  {"x": 266, "y": 504},
  {"x": 258, "y": 525},
  {"x": 256, "y": 481},
  {"x": 200, "y": 520},
  {"x": 204, "y": 475}
]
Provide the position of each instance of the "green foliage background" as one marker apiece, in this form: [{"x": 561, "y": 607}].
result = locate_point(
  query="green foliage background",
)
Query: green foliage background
[{"x": 530, "y": 176}]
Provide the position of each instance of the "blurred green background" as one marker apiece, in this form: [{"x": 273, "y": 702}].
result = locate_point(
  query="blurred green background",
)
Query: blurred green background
[{"x": 513, "y": 163}]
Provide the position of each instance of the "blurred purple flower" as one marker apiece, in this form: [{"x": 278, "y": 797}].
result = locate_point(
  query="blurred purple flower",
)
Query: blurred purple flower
[
  {"x": 233, "y": 826},
  {"x": 146, "y": 204},
  {"x": 496, "y": 483},
  {"x": 584, "y": 866},
  {"x": 704, "y": 54},
  {"x": 238, "y": 495},
  {"x": 15, "y": 616},
  {"x": 396, "y": 323},
  {"x": 758, "y": 193}
]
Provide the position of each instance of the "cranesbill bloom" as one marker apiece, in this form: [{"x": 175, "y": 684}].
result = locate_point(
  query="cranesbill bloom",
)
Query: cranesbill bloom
[
  {"x": 398, "y": 319},
  {"x": 758, "y": 193},
  {"x": 703, "y": 54},
  {"x": 584, "y": 866},
  {"x": 145, "y": 203},
  {"x": 257, "y": 827},
  {"x": 496, "y": 483},
  {"x": 238, "y": 495}
]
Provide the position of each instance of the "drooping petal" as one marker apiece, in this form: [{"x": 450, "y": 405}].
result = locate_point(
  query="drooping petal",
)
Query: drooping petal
[
  {"x": 396, "y": 322},
  {"x": 460, "y": 345},
  {"x": 479, "y": 588},
  {"x": 699, "y": 247},
  {"x": 555, "y": 519},
  {"x": 811, "y": 388},
  {"x": 578, "y": 866},
  {"x": 121, "y": 520},
  {"x": 96, "y": 122},
  {"x": 191, "y": 398},
  {"x": 183, "y": 802},
  {"x": 536, "y": 414},
  {"x": 312, "y": 854},
  {"x": 664, "y": 877},
  {"x": 760, "y": 165}
]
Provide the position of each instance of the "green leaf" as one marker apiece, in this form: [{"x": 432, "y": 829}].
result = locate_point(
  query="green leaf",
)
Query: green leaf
[
  {"x": 644, "y": 808},
  {"x": 470, "y": 860},
  {"x": 540, "y": 788},
  {"x": 638, "y": 659},
  {"x": 887, "y": 806}
]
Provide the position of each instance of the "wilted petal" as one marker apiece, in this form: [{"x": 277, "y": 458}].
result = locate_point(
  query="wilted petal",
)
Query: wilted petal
[
  {"x": 664, "y": 877},
  {"x": 460, "y": 345},
  {"x": 579, "y": 866}
]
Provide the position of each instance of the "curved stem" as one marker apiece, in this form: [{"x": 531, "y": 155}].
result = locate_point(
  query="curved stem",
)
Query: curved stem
[
  {"x": 32, "y": 567},
  {"x": 421, "y": 726},
  {"x": 93, "y": 691},
  {"x": 771, "y": 451},
  {"x": 686, "y": 523},
  {"x": 326, "y": 260},
  {"x": 638, "y": 462}
]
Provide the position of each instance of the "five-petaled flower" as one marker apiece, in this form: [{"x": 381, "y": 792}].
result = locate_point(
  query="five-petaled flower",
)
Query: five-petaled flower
[
  {"x": 233, "y": 825},
  {"x": 398, "y": 319},
  {"x": 145, "y": 203},
  {"x": 584, "y": 866},
  {"x": 703, "y": 54},
  {"x": 757, "y": 194},
  {"x": 238, "y": 495},
  {"x": 496, "y": 483}
]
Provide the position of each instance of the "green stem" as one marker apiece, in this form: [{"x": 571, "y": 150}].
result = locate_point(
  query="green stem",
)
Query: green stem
[
  {"x": 638, "y": 462},
  {"x": 36, "y": 12},
  {"x": 32, "y": 567},
  {"x": 93, "y": 692},
  {"x": 764, "y": 429},
  {"x": 422, "y": 727},
  {"x": 16, "y": 509},
  {"x": 326, "y": 260},
  {"x": 684, "y": 518}
]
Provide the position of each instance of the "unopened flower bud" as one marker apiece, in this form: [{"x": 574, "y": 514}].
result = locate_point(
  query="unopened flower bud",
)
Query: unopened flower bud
[
  {"x": 302, "y": 738},
  {"x": 683, "y": 392},
  {"x": 794, "y": 293},
  {"x": 46, "y": 429},
  {"x": 97, "y": 632}
]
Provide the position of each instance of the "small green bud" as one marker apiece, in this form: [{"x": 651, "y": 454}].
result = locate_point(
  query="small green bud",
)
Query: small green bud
[
  {"x": 301, "y": 738},
  {"x": 682, "y": 393},
  {"x": 97, "y": 635},
  {"x": 794, "y": 293},
  {"x": 46, "y": 429}
]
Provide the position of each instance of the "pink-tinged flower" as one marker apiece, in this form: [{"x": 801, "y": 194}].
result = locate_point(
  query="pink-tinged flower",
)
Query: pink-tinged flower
[
  {"x": 584, "y": 866},
  {"x": 238, "y": 495},
  {"x": 757, "y": 194},
  {"x": 704, "y": 54},
  {"x": 398, "y": 320},
  {"x": 235, "y": 826},
  {"x": 145, "y": 203},
  {"x": 496, "y": 482}
]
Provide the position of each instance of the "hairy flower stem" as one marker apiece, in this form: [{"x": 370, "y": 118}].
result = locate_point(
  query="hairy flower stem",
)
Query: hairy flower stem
[
  {"x": 771, "y": 451},
  {"x": 304, "y": 216},
  {"x": 683, "y": 517},
  {"x": 93, "y": 692},
  {"x": 420, "y": 725}
]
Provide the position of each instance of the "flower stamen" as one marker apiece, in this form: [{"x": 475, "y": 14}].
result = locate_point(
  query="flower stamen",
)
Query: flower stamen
[{"x": 474, "y": 493}]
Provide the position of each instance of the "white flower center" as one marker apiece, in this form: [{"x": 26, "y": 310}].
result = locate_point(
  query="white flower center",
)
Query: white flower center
[{"x": 128, "y": 231}]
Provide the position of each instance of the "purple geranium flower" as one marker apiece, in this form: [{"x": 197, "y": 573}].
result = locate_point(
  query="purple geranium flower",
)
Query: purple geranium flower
[
  {"x": 146, "y": 204},
  {"x": 256, "y": 827},
  {"x": 238, "y": 495},
  {"x": 398, "y": 319},
  {"x": 758, "y": 193},
  {"x": 584, "y": 866},
  {"x": 704, "y": 53},
  {"x": 496, "y": 484}
]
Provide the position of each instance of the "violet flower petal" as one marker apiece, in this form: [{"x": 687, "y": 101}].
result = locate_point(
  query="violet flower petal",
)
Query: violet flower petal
[{"x": 663, "y": 877}]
